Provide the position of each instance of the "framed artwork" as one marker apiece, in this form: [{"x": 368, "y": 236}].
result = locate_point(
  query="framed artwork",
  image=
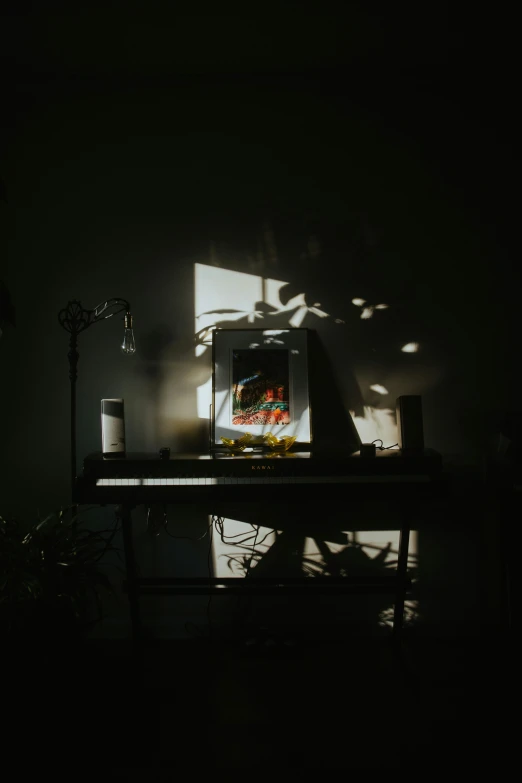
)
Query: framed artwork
[{"x": 260, "y": 384}]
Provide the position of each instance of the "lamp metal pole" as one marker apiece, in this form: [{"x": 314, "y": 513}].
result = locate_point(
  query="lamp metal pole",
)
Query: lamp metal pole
[{"x": 76, "y": 319}]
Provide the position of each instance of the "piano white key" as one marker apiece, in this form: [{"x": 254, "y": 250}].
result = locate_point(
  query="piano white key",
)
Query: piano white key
[{"x": 256, "y": 480}]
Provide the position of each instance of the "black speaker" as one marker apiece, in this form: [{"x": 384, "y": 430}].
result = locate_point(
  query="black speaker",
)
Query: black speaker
[
  {"x": 410, "y": 431},
  {"x": 113, "y": 427}
]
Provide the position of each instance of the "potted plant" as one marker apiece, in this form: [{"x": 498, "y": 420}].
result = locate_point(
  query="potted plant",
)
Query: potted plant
[{"x": 51, "y": 578}]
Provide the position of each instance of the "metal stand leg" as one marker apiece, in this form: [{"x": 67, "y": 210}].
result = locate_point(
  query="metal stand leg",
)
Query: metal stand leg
[
  {"x": 132, "y": 575},
  {"x": 402, "y": 571}
]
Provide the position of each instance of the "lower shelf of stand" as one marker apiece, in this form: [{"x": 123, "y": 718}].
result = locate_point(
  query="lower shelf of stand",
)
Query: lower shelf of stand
[{"x": 268, "y": 585}]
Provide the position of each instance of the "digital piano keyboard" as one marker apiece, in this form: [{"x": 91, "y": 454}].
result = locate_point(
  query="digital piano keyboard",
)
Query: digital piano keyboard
[{"x": 146, "y": 477}]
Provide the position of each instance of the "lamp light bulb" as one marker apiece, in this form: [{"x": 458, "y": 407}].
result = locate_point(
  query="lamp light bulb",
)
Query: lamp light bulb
[{"x": 128, "y": 345}]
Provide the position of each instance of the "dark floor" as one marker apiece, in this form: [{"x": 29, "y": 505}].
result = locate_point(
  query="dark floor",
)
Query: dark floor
[{"x": 203, "y": 705}]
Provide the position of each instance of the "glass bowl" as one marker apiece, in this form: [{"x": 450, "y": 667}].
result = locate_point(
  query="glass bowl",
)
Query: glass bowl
[
  {"x": 279, "y": 444},
  {"x": 239, "y": 444}
]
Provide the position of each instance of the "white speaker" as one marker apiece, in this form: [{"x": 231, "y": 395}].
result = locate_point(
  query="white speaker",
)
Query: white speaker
[{"x": 113, "y": 427}]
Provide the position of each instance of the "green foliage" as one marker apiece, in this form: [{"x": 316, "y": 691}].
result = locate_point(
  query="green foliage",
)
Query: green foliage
[{"x": 51, "y": 578}]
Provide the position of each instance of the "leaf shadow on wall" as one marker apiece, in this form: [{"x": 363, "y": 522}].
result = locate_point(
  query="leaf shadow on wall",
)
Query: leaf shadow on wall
[{"x": 308, "y": 543}]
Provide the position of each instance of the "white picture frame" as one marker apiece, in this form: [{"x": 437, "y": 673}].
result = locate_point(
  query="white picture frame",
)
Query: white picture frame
[{"x": 279, "y": 384}]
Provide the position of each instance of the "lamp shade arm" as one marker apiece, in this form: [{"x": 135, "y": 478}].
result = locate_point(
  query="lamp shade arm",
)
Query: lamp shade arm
[{"x": 121, "y": 306}]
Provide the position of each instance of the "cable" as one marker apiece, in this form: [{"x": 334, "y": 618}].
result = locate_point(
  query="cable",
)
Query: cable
[
  {"x": 209, "y": 576},
  {"x": 186, "y": 538},
  {"x": 228, "y": 539},
  {"x": 108, "y": 541},
  {"x": 156, "y": 528},
  {"x": 382, "y": 447},
  {"x": 220, "y": 528},
  {"x": 253, "y": 553},
  {"x": 249, "y": 598}
]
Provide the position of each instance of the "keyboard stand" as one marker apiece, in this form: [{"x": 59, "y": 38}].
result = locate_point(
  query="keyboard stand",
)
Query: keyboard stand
[
  {"x": 303, "y": 480},
  {"x": 397, "y": 583}
]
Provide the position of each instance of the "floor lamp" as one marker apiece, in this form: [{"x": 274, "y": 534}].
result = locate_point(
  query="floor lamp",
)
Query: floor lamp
[{"x": 75, "y": 319}]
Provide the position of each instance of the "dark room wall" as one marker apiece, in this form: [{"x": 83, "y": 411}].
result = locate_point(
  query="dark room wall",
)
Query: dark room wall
[
  {"x": 122, "y": 191},
  {"x": 121, "y": 194}
]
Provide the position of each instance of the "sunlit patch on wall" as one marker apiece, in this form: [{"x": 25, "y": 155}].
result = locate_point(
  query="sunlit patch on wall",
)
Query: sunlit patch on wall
[
  {"x": 225, "y": 296},
  {"x": 228, "y": 297},
  {"x": 376, "y": 423},
  {"x": 368, "y": 311},
  {"x": 410, "y": 348},
  {"x": 204, "y": 397},
  {"x": 240, "y": 548}
]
